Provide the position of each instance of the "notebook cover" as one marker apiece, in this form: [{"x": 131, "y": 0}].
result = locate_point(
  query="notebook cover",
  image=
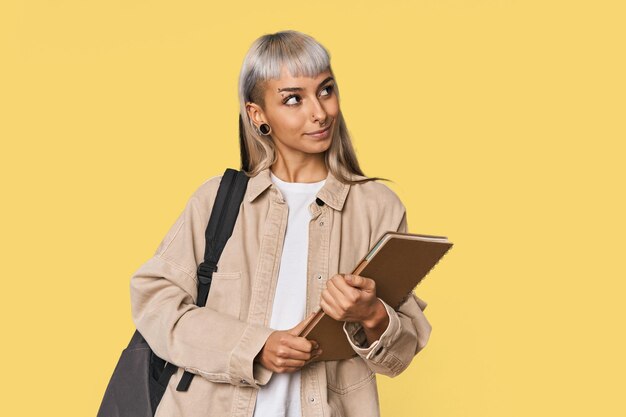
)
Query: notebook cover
[{"x": 398, "y": 262}]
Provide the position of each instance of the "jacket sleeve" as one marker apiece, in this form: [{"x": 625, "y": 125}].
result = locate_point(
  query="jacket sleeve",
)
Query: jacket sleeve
[
  {"x": 407, "y": 333},
  {"x": 163, "y": 292}
]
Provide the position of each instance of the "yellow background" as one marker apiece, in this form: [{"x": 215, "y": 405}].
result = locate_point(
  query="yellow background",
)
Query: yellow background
[{"x": 501, "y": 123}]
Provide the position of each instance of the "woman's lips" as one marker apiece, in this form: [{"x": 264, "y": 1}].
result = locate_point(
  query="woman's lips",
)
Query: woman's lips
[{"x": 321, "y": 135}]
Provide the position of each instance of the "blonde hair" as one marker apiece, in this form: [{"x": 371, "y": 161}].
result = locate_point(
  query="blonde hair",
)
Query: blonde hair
[{"x": 303, "y": 56}]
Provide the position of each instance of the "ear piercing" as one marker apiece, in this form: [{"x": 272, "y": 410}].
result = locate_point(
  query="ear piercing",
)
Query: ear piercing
[{"x": 265, "y": 129}]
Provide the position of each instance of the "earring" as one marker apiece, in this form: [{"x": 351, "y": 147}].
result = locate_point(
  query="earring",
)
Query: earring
[{"x": 265, "y": 129}]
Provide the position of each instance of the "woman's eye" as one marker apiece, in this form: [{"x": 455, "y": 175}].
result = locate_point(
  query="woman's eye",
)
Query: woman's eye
[
  {"x": 329, "y": 88},
  {"x": 287, "y": 101}
]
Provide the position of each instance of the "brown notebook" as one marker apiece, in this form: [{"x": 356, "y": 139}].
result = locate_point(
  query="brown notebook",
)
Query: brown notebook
[{"x": 397, "y": 262}]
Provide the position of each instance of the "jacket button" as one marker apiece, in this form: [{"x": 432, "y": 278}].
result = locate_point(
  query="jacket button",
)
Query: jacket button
[
  {"x": 319, "y": 276},
  {"x": 243, "y": 381},
  {"x": 321, "y": 223}
]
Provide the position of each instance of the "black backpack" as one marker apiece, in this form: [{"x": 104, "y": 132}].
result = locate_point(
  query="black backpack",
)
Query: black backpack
[{"x": 140, "y": 377}]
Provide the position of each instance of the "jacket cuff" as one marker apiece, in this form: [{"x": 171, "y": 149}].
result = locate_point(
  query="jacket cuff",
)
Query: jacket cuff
[
  {"x": 358, "y": 340},
  {"x": 242, "y": 368}
]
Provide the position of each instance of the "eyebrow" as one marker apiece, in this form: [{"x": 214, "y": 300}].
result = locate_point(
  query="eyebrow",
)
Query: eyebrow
[{"x": 300, "y": 88}]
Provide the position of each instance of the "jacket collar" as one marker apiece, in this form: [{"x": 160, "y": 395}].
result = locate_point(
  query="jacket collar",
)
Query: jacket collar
[{"x": 333, "y": 193}]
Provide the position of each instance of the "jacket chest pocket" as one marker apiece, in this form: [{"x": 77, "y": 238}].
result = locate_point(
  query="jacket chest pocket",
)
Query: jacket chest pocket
[
  {"x": 225, "y": 293},
  {"x": 348, "y": 375}
]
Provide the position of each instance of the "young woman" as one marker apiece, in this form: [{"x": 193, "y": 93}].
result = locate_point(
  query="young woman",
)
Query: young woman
[{"x": 307, "y": 218}]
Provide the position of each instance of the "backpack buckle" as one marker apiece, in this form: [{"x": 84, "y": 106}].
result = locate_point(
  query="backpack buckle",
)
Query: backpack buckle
[{"x": 205, "y": 272}]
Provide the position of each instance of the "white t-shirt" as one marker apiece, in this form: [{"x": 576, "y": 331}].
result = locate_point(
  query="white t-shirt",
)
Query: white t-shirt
[{"x": 280, "y": 397}]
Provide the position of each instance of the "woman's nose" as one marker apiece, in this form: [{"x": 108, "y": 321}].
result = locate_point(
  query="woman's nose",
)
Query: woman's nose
[{"x": 319, "y": 114}]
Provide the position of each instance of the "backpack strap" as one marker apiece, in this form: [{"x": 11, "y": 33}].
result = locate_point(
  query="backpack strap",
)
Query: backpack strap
[{"x": 221, "y": 224}]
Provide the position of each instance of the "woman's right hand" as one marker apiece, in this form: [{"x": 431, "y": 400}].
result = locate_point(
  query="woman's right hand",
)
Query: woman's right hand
[{"x": 285, "y": 351}]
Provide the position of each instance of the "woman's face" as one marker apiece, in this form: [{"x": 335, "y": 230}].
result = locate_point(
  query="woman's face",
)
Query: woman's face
[{"x": 296, "y": 107}]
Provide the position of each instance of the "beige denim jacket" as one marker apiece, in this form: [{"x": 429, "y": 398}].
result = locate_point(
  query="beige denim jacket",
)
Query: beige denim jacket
[{"x": 219, "y": 342}]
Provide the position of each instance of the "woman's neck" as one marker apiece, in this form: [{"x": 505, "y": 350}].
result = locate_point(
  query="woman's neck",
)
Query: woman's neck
[{"x": 313, "y": 171}]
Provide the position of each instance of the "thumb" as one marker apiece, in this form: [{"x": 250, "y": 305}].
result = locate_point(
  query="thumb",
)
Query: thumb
[
  {"x": 300, "y": 326},
  {"x": 360, "y": 282}
]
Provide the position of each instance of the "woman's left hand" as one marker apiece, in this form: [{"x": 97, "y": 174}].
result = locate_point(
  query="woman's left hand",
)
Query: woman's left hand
[{"x": 352, "y": 298}]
